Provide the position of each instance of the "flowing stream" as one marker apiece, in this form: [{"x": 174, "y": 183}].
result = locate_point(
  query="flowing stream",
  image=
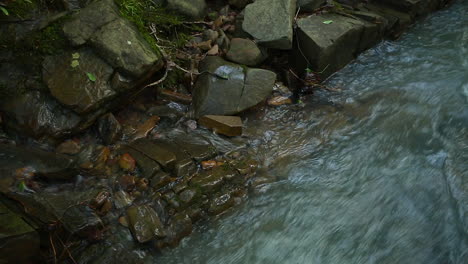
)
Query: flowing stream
[{"x": 376, "y": 173}]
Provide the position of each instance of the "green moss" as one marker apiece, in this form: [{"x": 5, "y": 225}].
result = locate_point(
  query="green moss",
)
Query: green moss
[
  {"x": 170, "y": 26},
  {"x": 22, "y": 8},
  {"x": 48, "y": 41}
]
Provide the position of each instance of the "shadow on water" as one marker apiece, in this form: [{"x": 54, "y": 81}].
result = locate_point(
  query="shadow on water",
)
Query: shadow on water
[{"x": 377, "y": 174}]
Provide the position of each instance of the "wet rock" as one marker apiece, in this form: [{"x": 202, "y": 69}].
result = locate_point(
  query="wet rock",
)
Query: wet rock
[
  {"x": 221, "y": 203},
  {"x": 180, "y": 226},
  {"x": 310, "y": 5},
  {"x": 329, "y": 47},
  {"x": 72, "y": 86},
  {"x": 184, "y": 165},
  {"x": 245, "y": 51},
  {"x": 210, "y": 181},
  {"x": 160, "y": 180},
  {"x": 127, "y": 162},
  {"x": 49, "y": 165},
  {"x": 189, "y": 196},
  {"x": 81, "y": 220},
  {"x": 195, "y": 146},
  {"x": 190, "y": 8},
  {"x": 163, "y": 156},
  {"x": 93, "y": 158},
  {"x": 38, "y": 115},
  {"x": 148, "y": 166},
  {"x": 226, "y": 88},
  {"x": 69, "y": 147},
  {"x": 109, "y": 129},
  {"x": 225, "y": 125},
  {"x": 144, "y": 129},
  {"x": 122, "y": 199},
  {"x": 19, "y": 242},
  {"x": 270, "y": 22},
  {"x": 145, "y": 223}
]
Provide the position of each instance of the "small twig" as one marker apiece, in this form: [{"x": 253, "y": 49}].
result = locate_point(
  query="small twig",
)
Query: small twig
[
  {"x": 66, "y": 249},
  {"x": 53, "y": 248}
]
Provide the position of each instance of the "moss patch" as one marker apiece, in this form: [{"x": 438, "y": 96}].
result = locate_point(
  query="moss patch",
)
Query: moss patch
[
  {"x": 22, "y": 8},
  {"x": 170, "y": 26}
]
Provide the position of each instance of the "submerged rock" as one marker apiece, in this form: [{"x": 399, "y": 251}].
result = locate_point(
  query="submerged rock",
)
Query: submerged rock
[
  {"x": 270, "y": 22},
  {"x": 226, "y": 88},
  {"x": 44, "y": 164},
  {"x": 37, "y": 114},
  {"x": 145, "y": 223},
  {"x": 225, "y": 125}
]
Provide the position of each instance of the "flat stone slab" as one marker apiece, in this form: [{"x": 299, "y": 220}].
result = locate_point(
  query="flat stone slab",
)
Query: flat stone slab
[
  {"x": 163, "y": 156},
  {"x": 270, "y": 22},
  {"x": 225, "y": 125}
]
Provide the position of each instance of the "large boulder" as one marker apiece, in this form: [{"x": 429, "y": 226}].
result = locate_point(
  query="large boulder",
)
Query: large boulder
[
  {"x": 226, "y": 88},
  {"x": 82, "y": 88},
  {"x": 190, "y": 8},
  {"x": 115, "y": 39},
  {"x": 310, "y": 5},
  {"x": 329, "y": 46},
  {"x": 415, "y": 7},
  {"x": 270, "y": 22}
]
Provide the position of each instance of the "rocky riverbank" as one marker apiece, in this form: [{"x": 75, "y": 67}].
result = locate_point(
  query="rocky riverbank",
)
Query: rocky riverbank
[{"x": 107, "y": 110}]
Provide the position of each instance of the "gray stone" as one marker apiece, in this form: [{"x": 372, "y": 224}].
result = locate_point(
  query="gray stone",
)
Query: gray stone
[
  {"x": 190, "y": 8},
  {"x": 82, "y": 26},
  {"x": 72, "y": 86},
  {"x": 122, "y": 46},
  {"x": 270, "y": 22},
  {"x": 245, "y": 51},
  {"x": 226, "y": 88},
  {"x": 329, "y": 47},
  {"x": 38, "y": 115},
  {"x": 115, "y": 39},
  {"x": 310, "y": 5}
]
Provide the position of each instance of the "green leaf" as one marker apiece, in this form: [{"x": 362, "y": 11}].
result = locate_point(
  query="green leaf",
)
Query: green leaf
[
  {"x": 75, "y": 56},
  {"x": 75, "y": 63},
  {"x": 91, "y": 76},
  {"x": 22, "y": 186},
  {"x": 327, "y": 22},
  {"x": 308, "y": 70},
  {"x": 4, "y": 10}
]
